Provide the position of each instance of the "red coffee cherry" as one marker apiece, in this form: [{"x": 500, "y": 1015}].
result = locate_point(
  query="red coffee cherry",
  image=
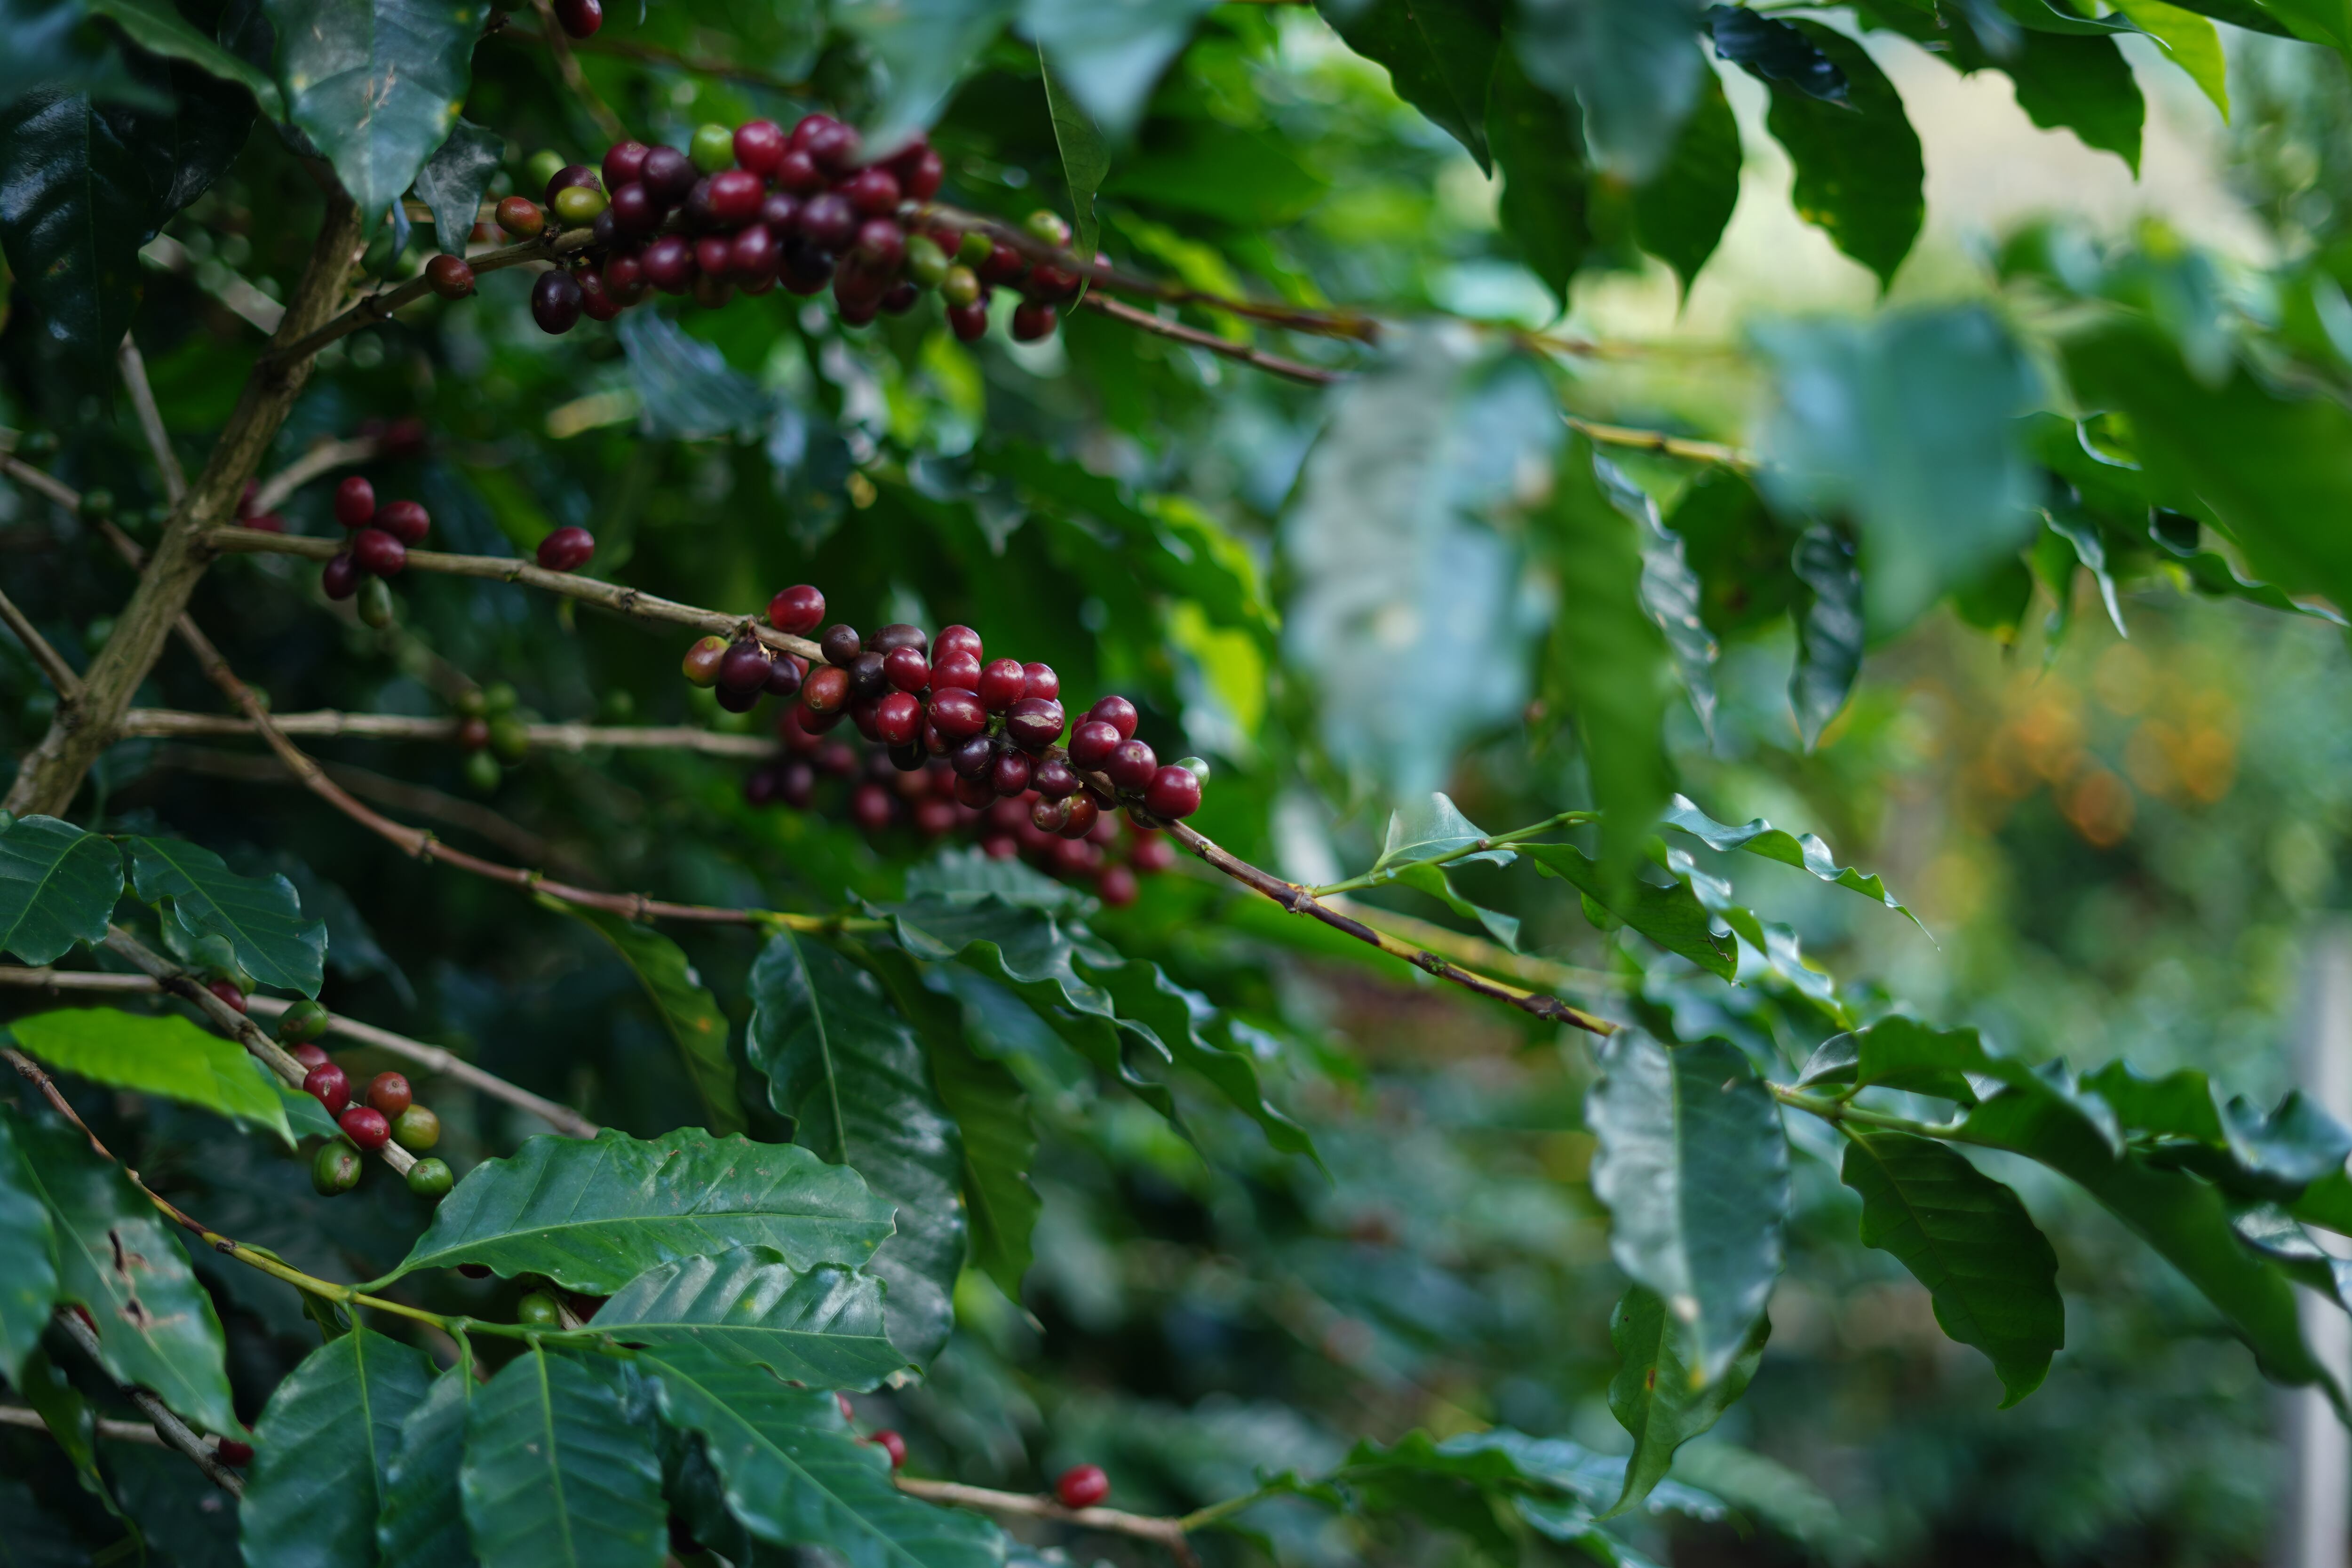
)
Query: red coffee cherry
[
  {"x": 754, "y": 255},
  {"x": 555, "y": 302},
  {"x": 451, "y": 276},
  {"x": 1035, "y": 723},
  {"x": 405, "y": 521},
  {"x": 1050, "y": 286},
  {"x": 957, "y": 669},
  {"x": 827, "y": 689},
  {"x": 1002, "y": 682},
  {"x": 668, "y": 176},
  {"x": 1032, "y": 321},
  {"x": 228, "y": 992},
  {"x": 229, "y": 1451},
  {"x": 520, "y": 217},
  {"x": 759, "y": 145},
  {"x": 669, "y": 263},
  {"x": 389, "y": 1093},
  {"x": 580, "y": 17},
  {"x": 956, "y": 639},
  {"x": 873, "y": 192},
  {"x": 1002, "y": 266},
  {"x": 1152, "y": 852},
  {"x": 934, "y": 817},
  {"x": 870, "y": 808},
  {"x": 959, "y": 714},
  {"x": 1039, "y": 680},
  {"x": 339, "y": 578},
  {"x": 700, "y": 665},
  {"x": 797, "y": 174},
  {"x": 968, "y": 322},
  {"x": 907, "y": 669},
  {"x": 567, "y": 549},
  {"x": 596, "y": 301},
  {"x": 899, "y": 719},
  {"x": 624, "y": 274},
  {"x": 797, "y": 610},
  {"x": 735, "y": 196},
  {"x": 1091, "y": 742},
  {"x": 890, "y": 1443},
  {"x": 1082, "y": 1486},
  {"x": 1054, "y": 779},
  {"x": 330, "y": 1086},
  {"x": 1116, "y": 711},
  {"x": 881, "y": 247},
  {"x": 1130, "y": 764},
  {"x": 625, "y": 164},
  {"x": 1173, "y": 793},
  {"x": 366, "y": 1126},
  {"x": 920, "y": 172},
  {"x": 379, "y": 552},
  {"x": 309, "y": 1055},
  {"x": 745, "y": 668},
  {"x": 831, "y": 146},
  {"x": 714, "y": 255},
  {"x": 829, "y": 222},
  {"x": 841, "y": 643},
  {"x": 1116, "y": 886},
  {"x": 354, "y": 502}
]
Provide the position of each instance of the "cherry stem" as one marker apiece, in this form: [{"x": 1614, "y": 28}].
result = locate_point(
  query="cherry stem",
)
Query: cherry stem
[{"x": 1377, "y": 878}]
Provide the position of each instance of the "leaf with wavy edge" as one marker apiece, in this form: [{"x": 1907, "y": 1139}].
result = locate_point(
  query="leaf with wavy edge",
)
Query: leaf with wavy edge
[
  {"x": 1652, "y": 1397},
  {"x": 261, "y": 916},
  {"x": 423, "y": 1524},
  {"x": 1762, "y": 839},
  {"x": 821, "y": 1326},
  {"x": 322, "y": 1450},
  {"x": 58, "y": 886},
  {"x": 556, "y": 1475},
  {"x": 162, "y": 1055},
  {"x": 689, "y": 1013}
]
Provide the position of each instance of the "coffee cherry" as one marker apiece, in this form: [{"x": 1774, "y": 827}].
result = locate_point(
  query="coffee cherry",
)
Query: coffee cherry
[
  {"x": 1092, "y": 742},
  {"x": 596, "y": 301},
  {"x": 890, "y": 1443},
  {"x": 968, "y": 322},
  {"x": 625, "y": 164},
  {"x": 389, "y": 1092},
  {"x": 668, "y": 264},
  {"x": 866, "y": 680},
  {"x": 1116, "y": 886},
  {"x": 228, "y": 992},
  {"x": 449, "y": 275},
  {"x": 829, "y": 222},
  {"x": 700, "y": 665},
  {"x": 881, "y": 245},
  {"x": 870, "y": 808},
  {"x": 624, "y": 274},
  {"x": 1008, "y": 775},
  {"x": 909, "y": 758},
  {"x": 1048, "y": 814},
  {"x": 339, "y": 578},
  {"x": 555, "y": 302},
  {"x": 1174, "y": 792},
  {"x": 841, "y": 643},
  {"x": 956, "y": 639},
  {"x": 267, "y": 523},
  {"x": 959, "y": 714},
  {"x": 431, "y": 1178},
  {"x": 1054, "y": 779},
  {"x": 957, "y": 669},
  {"x": 712, "y": 149},
  {"x": 784, "y": 676},
  {"x": 304, "y": 1022},
  {"x": 509, "y": 738},
  {"x": 1152, "y": 852},
  {"x": 744, "y": 667},
  {"x": 898, "y": 634},
  {"x": 1002, "y": 682},
  {"x": 335, "y": 1168},
  {"x": 1050, "y": 286},
  {"x": 405, "y": 521},
  {"x": 366, "y": 1126},
  {"x": 1081, "y": 1486},
  {"x": 1003, "y": 267},
  {"x": 1032, "y": 321},
  {"x": 735, "y": 196},
  {"x": 754, "y": 255},
  {"x": 797, "y": 610},
  {"x": 540, "y": 1310},
  {"x": 550, "y": 170},
  {"x": 920, "y": 172},
  {"x": 975, "y": 792},
  {"x": 827, "y": 689},
  {"x": 416, "y": 1129},
  {"x": 831, "y": 146},
  {"x": 899, "y": 719},
  {"x": 906, "y": 669},
  {"x": 329, "y": 1085},
  {"x": 229, "y": 1451},
  {"x": 926, "y": 264},
  {"x": 580, "y": 17},
  {"x": 520, "y": 217},
  {"x": 1035, "y": 723},
  {"x": 354, "y": 502},
  {"x": 578, "y": 205},
  {"x": 567, "y": 549},
  {"x": 735, "y": 701},
  {"x": 714, "y": 255},
  {"x": 1039, "y": 680},
  {"x": 379, "y": 552},
  {"x": 972, "y": 758},
  {"x": 873, "y": 192},
  {"x": 668, "y": 174},
  {"x": 1049, "y": 226},
  {"x": 634, "y": 210},
  {"x": 959, "y": 286},
  {"x": 1130, "y": 764},
  {"x": 1116, "y": 711}
]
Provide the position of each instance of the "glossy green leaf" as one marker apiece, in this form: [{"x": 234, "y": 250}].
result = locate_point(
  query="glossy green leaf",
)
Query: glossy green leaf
[
  {"x": 1671, "y": 592},
  {"x": 2064, "y": 78},
  {"x": 1681, "y": 213},
  {"x": 1085, "y": 159},
  {"x": 28, "y": 1286},
  {"x": 1771, "y": 51},
  {"x": 924, "y": 47},
  {"x": 2191, "y": 41},
  {"x": 1538, "y": 145},
  {"x": 594, "y": 1216},
  {"x": 162, "y": 1055},
  {"x": 1633, "y": 65},
  {"x": 1693, "y": 1167},
  {"x": 689, "y": 1014},
  {"x": 1652, "y": 1394},
  {"x": 1767, "y": 842},
  {"x": 1859, "y": 176},
  {"x": 159, "y": 30},
  {"x": 422, "y": 1522},
  {"x": 323, "y": 1450},
  {"x": 821, "y": 1326},
  {"x": 58, "y": 886},
  {"x": 453, "y": 179},
  {"x": 1965, "y": 1237},
  {"x": 1673, "y": 917},
  {"x": 846, "y": 1070},
  {"x": 260, "y": 916},
  {"x": 556, "y": 1475},
  {"x": 375, "y": 84},
  {"x": 1108, "y": 56},
  {"x": 795, "y": 1477},
  {"x": 1457, "y": 1480},
  {"x": 155, "y": 1324},
  {"x": 1439, "y": 57},
  {"x": 1429, "y": 826},
  {"x": 1830, "y": 633}
]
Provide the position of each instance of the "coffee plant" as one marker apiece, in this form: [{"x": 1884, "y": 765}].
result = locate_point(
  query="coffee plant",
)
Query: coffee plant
[{"x": 1103, "y": 471}]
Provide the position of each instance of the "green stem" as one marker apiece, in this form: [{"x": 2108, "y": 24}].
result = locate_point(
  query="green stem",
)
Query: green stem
[
  {"x": 1202, "y": 1518},
  {"x": 1493, "y": 841},
  {"x": 1840, "y": 1113}
]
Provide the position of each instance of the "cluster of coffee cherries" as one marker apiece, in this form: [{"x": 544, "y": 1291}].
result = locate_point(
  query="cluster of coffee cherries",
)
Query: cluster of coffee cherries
[
  {"x": 385, "y": 1112},
  {"x": 494, "y": 731},
  {"x": 756, "y": 207},
  {"x": 379, "y": 540}
]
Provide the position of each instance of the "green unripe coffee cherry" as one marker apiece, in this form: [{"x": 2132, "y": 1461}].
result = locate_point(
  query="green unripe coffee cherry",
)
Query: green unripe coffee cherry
[
  {"x": 544, "y": 165},
  {"x": 1199, "y": 769},
  {"x": 577, "y": 204},
  {"x": 976, "y": 248},
  {"x": 471, "y": 703},
  {"x": 509, "y": 738},
  {"x": 1048, "y": 226},
  {"x": 926, "y": 264},
  {"x": 304, "y": 1022},
  {"x": 416, "y": 1130},
  {"x": 540, "y": 1310},
  {"x": 499, "y": 697},
  {"x": 960, "y": 286},
  {"x": 713, "y": 148},
  {"x": 216, "y": 955},
  {"x": 482, "y": 772},
  {"x": 375, "y": 606},
  {"x": 431, "y": 1179},
  {"x": 96, "y": 504},
  {"x": 335, "y": 1168}
]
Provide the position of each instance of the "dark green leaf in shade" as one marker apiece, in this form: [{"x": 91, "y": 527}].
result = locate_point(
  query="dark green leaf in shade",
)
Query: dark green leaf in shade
[
  {"x": 556, "y": 1475},
  {"x": 689, "y": 1014},
  {"x": 1085, "y": 159},
  {"x": 1439, "y": 54},
  {"x": 157, "y": 28},
  {"x": 1467, "y": 1483},
  {"x": 57, "y": 46},
  {"x": 375, "y": 84},
  {"x": 1633, "y": 65},
  {"x": 684, "y": 387},
  {"x": 1859, "y": 176},
  {"x": 155, "y": 1323},
  {"x": 58, "y": 886},
  {"x": 1693, "y": 1166},
  {"x": 323, "y": 1448},
  {"x": 847, "y": 1071},
  {"x": 261, "y": 917},
  {"x": 924, "y": 48},
  {"x": 1830, "y": 631},
  {"x": 1243, "y": 176},
  {"x": 1652, "y": 1394},
  {"x": 1108, "y": 56},
  {"x": 1966, "y": 1237},
  {"x": 795, "y": 1477},
  {"x": 423, "y": 1524},
  {"x": 594, "y": 1216},
  {"x": 28, "y": 1286},
  {"x": 1538, "y": 146},
  {"x": 1681, "y": 213},
  {"x": 970, "y": 874},
  {"x": 33, "y": 1536},
  {"x": 453, "y": 179},
  {"x": 2252, "y": 15},
  {"x": 72, "y": 1424},
  {"x": 1738, "y": 550},
  {"x": 1765, "y": 842},
  {"x": 1670, "y": 593},
  {"x": 822, "y": 1327},
  {"x": 1673, "y": 917},
  {"x": 2076, "y": 79},
  {"x": 162, "y": 1055},
  {"x": 1771, "y": 51}
]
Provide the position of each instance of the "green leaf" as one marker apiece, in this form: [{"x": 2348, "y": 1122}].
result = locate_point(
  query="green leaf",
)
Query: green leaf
[
  {"x": 72, "y": 1424},
  {"x": 924, "y": 47},
  {"x": 1761, "y": 839},
  {"x": 423, "y": 1524},
  {"x": 1652, "y": 1394},
  {"x": 1681, "y": 214},
  {"x": 688, "y": 1012},
  {"x": 1830, "y": 631},
  {"x": 1440, "y": 58},
  {"x": 822, "y": 1327},
  {"x": 1673, "y": 917},
  {"x": 1108, "y": 55},
  {"x": 1693, "y": 1167},
  {"x": 375, "y": 84},
  {"x": 970, "y": 874},
  {"x": 155, "y": 1323},
  {"x": 155, "y": 26},
  {"x": 1633, "y": 65},
  {"x": 1969, "y": 1241},
  {"x": 847, "y": 1071},
  {"x": 324, "y": 1450},
  {"x": 594, "y": 1216},
  {"x": 556, "y": 1475},
  {"x": 1427, "y": 827},
  {"x": 1538, "y": 147},
  {"x": 1907, "y": 424},
  {"x": 166, "y": 1055},
  {"x": 1670, "y": 589},
  {"x": 2252, "y": 15},
  {"x": 1860, "y": 177},
  {"x": 2190, "y": 42},
  {"x": 795, "y": 1477},
  {"x": 261, "y": 917},
  {"x": 453, "y": 179},
  {"x": 58, "y": 886},
  {"x": 1458, "y": 1481},
  {"x": 1084, "y": 160},
  {"x": 1771, "y": 51},
  {"x": 28, "y": 1286},
  {"x": 2072, "y": 77}
]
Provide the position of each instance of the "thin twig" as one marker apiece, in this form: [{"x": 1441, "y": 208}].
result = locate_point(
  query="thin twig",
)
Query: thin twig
[
  {"x": 174, "y": 1432},
  {"x": 33, "y": 478},
  {"x": 1663, "y": 444},
  {"x": 1168, "y": 1532},
  {"x": 1274, "y": 365},
  {"x": 1487, "y": 955},
  {"x": 62, "y": 675},
  {"x": 323, "y": 457},
  {"x": 46, "y": 978},
  {"x": 166, "y": 721},
  {"x": 379, "y": 306},
  {"x": 25, "y": 1415},
  {"x": 150, "y": 420},
  {"x": 237, "y": 294},
  {"x": 560, "y": 46}
]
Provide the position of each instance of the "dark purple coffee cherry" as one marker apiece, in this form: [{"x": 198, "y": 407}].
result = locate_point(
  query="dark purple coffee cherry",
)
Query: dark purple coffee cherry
[
  {"x": 1172, "y": 793},
  {"x": 831, "y": 146},
  {"x": 668, "y": 174},
  {"x": 1091, "y": 742},
  {"x": 738, "y": 701},
  {"x": 669, "y": 264},
  {"x": 841, "y": 643},
  {"x": 829, "y": 222},
  {"x": 339, "y": 578},
  {"x": 1047, "y": 812},
  {"x": 1130, "y": 764},
  {"x": 1008, "y": 775},
  {"x": 866, "y": 680},
  {"x": 972, "y": 759},
  {"x": 1035, "y": 723},
  {"x": 379, "y": 552},
  {"x": 634, "y": 210},
  {"x": 625, "y": 164},
  {"x": 784, "y": 676},
  {"x": 1054, "y": 779},
  {"x": 745, "y": 668},
  {"x": 571, "y": 176},
  {"x": 909, "y": 758},
  {"x": 555, "y": 301},
  {"x": 567, "y": 549}
]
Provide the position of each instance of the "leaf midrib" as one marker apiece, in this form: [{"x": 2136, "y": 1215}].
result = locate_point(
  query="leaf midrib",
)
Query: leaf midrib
[{"x": 9, "y": 938}]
